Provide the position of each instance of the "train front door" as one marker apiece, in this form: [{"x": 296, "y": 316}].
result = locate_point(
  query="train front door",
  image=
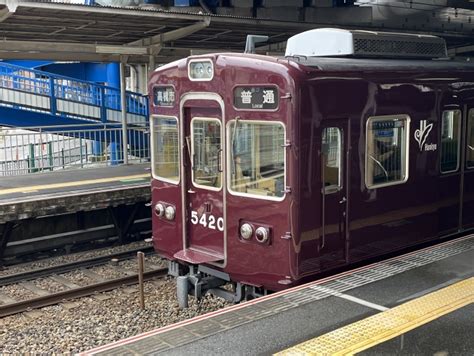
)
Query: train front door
[
  {"x": 203, "y": 178},
  {"x": 333, "y": 242}
]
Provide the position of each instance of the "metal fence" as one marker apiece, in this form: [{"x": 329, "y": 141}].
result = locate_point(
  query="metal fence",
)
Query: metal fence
[{"x": 50, "y": 148}]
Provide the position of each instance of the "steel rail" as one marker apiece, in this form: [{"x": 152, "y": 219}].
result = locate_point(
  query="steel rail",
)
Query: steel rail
[
  {"x": 40, "y": 302},
  {"x": 64, "y": 268}
]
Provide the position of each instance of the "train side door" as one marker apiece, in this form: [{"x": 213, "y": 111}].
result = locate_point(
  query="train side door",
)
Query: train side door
[
  {"x": 451, "y": 167},
  {"x": 468, "y": 183},
  {"x": 334, "y": 199},
  {"x": 203, "y": 182}
]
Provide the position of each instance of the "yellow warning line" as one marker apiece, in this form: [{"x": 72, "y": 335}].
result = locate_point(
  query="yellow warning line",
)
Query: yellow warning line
[
  {"x": 386, "y": 325},
  {"x": 73, "y": 184}
]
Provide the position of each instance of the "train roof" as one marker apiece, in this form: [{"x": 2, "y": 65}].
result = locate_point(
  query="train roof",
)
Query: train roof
[{"x": 369, "y": 64}]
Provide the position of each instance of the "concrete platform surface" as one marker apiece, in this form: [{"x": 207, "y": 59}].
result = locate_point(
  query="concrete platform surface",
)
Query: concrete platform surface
[
  {"x": 324, "y": 308},
  {"x": 14, "y": 188},
  {"x": 41, "y": 194}
]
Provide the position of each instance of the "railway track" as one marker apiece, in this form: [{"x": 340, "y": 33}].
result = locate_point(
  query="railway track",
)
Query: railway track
[
  {"x": 41, "y": 297},
  {"x": 86, "y": 263}
]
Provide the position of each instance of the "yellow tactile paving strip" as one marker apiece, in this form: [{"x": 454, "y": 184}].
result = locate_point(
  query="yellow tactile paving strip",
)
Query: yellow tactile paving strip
[
  {"x": 386, "y": 325},
  {"x": 73, "y": 184}
]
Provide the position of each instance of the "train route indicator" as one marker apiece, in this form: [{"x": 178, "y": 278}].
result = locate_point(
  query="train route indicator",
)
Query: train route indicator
[
  {"x": 164, "y": 96},
  {"x": 256, "y": 98}
]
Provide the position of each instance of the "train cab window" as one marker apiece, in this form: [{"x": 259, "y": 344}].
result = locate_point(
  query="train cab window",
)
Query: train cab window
[
  {"x": 206, "y": 153},
  {"x": 450, "y": 140},
  {"x": 331, "y": 159},
  {"x": 470, "y": 140},
  {"x": 165, "y": 148},
  {"x": 256, "y": 159},
  {"x": 386, "y": 155}
]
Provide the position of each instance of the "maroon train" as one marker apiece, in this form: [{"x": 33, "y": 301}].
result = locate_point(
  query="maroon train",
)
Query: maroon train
[{"x": 268, "y": 171}]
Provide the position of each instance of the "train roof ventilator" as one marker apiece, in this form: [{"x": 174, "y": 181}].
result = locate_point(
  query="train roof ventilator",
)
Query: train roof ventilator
[{"x": 331, "y": 42}]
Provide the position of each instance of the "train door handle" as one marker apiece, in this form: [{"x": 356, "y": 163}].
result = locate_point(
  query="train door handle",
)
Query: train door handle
[
  {"x": 343, "y": 200},
  {"x": 190, "y": 191}
]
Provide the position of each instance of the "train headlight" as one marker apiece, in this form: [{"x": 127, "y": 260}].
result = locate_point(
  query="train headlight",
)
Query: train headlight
[
  {"x": 200, "y": 70},
  {"x": 262, "y": 234},
  {"x": 246, "y": 231},
  {"x": 170, "y": 212},
  {"x": 160, "y": 209}
]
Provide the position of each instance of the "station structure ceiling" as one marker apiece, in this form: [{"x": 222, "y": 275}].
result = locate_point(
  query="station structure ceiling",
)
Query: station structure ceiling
[{"x": 70, "y": 32}]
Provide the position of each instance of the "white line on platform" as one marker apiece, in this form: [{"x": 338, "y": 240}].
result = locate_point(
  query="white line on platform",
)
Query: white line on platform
[{"x": 350, "y": 298}]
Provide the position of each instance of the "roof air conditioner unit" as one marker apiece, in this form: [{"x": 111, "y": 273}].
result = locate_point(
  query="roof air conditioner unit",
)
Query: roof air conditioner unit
[{"x": 329, "y": 42}]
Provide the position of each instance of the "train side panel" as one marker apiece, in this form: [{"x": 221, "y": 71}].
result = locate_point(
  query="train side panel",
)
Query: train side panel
[{"x": 378, "y": 219}]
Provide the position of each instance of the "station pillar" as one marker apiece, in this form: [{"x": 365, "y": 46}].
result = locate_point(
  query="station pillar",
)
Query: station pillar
[{"x": 113, "y": 80}]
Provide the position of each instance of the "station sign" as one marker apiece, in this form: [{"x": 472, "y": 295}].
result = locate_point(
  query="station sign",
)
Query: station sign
[
  {"x": 256, "y": 98},
  {"x": 164, "y": 96}
]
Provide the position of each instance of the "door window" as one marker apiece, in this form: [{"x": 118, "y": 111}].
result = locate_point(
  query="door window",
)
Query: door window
[
  {"x": 206, "y": 153},
  {"x": 470, "y": 140},
  {"x": 450, "y": 140},
  {"x": 331, "y": 159}
]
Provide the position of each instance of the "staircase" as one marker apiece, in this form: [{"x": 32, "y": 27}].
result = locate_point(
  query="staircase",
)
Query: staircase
[{"x": 33, "y": 98}]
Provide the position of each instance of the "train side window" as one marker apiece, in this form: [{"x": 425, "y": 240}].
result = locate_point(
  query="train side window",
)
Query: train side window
[
  {"x": 165, "y": 149},
  {"x": 386, "y": 152},
  {"x": 450, "y": 140},
  {"x": 470, "y": 140},
  {"x": 331, "y": 159}
]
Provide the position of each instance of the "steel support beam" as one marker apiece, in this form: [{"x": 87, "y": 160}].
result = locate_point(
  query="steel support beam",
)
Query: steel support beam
[
  {"x": 4, "y": 238},
  {"x": 173, "y": 35},
  {"x": 123, "y": 220},
  {"x": 123, "y": 103},
  {"x": 461, "y": 4},
  {"x": 9, "y": 9},
  {"x": 69, "y": 47},
  {"x": 461, "y": 50}
]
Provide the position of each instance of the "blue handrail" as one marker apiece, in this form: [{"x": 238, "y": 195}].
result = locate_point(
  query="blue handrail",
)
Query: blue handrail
[{"x": 68, "y": 97}]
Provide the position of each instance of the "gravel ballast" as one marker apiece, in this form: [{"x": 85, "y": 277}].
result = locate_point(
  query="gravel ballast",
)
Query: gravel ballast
[{"x": 82, "y": 324}]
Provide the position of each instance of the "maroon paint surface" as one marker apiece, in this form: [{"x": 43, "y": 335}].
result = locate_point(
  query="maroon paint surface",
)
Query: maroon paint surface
[{"x": 370, "y": 221}]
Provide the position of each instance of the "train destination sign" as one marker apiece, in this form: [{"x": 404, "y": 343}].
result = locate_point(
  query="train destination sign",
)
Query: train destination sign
[
  {"x": 163, "y": 96},
  {"x": 256, "y": 98}
]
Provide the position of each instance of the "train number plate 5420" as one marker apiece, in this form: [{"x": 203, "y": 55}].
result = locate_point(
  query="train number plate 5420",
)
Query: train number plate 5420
[{"x": 207, "y": 220}]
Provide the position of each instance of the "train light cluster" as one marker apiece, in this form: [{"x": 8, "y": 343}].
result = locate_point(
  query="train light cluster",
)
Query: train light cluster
[
  {"x": 168, "y": 212},
  {"x": 200, "y": 70},
  {"x": 246, "y": 231},
  {"x": 160, "y": 210},
  {"x": 261, "y": 234}
]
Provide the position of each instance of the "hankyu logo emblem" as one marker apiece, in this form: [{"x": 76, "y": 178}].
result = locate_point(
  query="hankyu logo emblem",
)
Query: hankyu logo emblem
[{"x": 422, "y": 133}]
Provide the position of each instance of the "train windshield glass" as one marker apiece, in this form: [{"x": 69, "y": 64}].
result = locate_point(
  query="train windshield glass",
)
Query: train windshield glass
[
  {"x": 470, "y": 140},
  {"x": 386, "y": 151},
  {"x": 206, "y": 151},
  {"x": 165, "y": 149},
  {"x": 257, "y": 159}
]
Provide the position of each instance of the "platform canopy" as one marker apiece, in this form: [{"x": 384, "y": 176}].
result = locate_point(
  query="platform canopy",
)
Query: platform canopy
[{"x": 70, "y": 32}]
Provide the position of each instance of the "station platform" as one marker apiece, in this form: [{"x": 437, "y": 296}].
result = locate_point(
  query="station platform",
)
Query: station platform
[
  {"x": 417, "y": 303},
  {"x": 59, "y": 192}
]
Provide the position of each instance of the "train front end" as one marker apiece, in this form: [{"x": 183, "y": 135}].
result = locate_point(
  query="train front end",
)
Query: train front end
[{"x": 221, "y": 157}]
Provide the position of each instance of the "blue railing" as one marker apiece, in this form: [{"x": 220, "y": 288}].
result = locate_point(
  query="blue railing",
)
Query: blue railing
[{"x": 34, "y": 90}]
